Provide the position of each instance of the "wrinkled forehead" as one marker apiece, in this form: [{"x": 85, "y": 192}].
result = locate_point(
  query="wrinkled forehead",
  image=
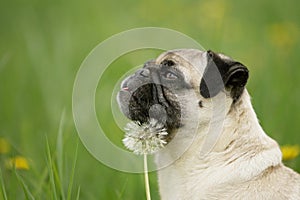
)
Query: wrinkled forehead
[{"x": 189, "y": 61}]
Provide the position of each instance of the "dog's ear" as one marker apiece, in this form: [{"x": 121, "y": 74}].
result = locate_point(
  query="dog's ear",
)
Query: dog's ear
[{"x": 223, "y": 73}]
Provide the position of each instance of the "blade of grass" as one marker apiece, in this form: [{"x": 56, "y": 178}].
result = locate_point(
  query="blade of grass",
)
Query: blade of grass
[
  {"x": 120, "y": 194},
  {"x": 78, "y": 193},
  {"x": 57, "y": 180},
  {"x": 72, "y": 173},
  {"x": 59, "y": 151},
  {"x": 50, "y": 168},
  {"x": 40, "y": 183},
  {"x": 27, "y": 192},
  {"x": 3, "y": 190}
]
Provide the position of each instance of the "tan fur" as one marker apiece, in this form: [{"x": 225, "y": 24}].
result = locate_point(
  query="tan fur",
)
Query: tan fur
[{"x": 245, "y": 163}]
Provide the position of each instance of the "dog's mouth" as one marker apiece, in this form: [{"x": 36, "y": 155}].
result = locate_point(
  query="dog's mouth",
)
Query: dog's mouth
[{"x": 150, "y": 101}]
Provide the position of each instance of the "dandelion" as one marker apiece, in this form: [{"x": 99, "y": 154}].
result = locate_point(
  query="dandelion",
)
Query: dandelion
[
  {"x": 143, "y": 139},
  {"x": 290, "y": 152},
  {"x": 17, "y": 162},
  {"x": 4, "y": 146}
]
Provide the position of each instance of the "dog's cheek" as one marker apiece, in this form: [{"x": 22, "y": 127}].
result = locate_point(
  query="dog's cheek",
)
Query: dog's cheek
[
  {"x": 140, "y": 103},
  {"x": 173, "y": 110}
]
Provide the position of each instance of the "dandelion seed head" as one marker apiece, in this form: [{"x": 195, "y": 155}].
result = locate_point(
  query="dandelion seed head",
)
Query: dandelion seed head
[{"x": 146, "y": 138}]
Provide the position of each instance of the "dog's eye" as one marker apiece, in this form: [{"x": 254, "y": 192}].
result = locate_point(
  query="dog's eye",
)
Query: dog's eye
[
  {"x": 168, "y": 63},
  {"x": 170, "y": 75}
]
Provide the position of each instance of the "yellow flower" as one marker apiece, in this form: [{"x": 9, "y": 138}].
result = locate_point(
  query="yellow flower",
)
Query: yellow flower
[
  {"x": 283, "y": 35},
  {"x": 18, "y": 162},
  {"x": 214, "y": 9},
  {"x": 4, "y": 146},
  {"x": 290, "y": 152}
]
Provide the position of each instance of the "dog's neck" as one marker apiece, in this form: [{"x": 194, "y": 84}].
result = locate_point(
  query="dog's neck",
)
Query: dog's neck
[
  {"x": 241, "y": 124},
  {"x": 242, "y": 140}
]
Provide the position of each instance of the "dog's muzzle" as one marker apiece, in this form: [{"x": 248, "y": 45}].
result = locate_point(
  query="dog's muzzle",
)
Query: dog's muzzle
[{"x": 143, "y": 96}]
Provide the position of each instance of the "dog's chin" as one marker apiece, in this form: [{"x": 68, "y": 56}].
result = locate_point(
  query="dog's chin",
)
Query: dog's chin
[{"x": 145, "y": 102}]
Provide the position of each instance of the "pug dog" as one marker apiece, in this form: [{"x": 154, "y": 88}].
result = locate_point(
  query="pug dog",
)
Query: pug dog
[{"x": 201, "y": 99}]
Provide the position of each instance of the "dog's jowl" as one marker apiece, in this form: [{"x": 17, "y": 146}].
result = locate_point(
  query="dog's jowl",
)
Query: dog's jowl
[{"x": 180, "y": 89}]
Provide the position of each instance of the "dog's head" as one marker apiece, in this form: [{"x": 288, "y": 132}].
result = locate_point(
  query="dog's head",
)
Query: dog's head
[{"x": 179, "y": 85}]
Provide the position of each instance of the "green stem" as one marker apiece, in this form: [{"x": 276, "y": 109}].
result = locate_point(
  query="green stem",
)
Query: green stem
[{"x": 147, "y": 187}]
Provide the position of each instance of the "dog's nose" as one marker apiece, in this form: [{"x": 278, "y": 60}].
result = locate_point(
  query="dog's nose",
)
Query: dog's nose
[{"x": 144, "y": 72}]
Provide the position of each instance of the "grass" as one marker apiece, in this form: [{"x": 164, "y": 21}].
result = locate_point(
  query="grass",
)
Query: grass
[
  {"x": 42, "y": 44},
  {"x": 25, "y": 188},
  {"x": 3, "y": 189},
  {"x": 52, "y": 182}
]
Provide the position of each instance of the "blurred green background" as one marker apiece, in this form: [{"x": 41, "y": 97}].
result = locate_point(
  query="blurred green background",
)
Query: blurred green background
[{"x": 42, "y": 44}]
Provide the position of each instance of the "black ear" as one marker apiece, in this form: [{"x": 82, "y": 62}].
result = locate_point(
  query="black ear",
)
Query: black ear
[{"x": 223, "y": 73}]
